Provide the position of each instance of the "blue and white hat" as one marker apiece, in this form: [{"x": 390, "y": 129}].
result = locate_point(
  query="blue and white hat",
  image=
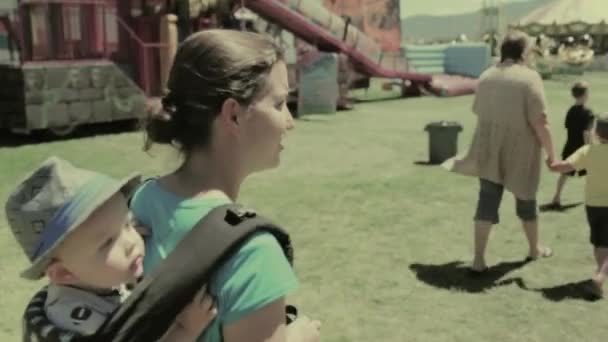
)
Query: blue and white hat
[{"x": 51, "y": 202}]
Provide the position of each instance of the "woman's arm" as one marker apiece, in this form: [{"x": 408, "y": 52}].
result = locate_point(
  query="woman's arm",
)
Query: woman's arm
[
  {"x": 543, "y": 134},
  {"x": 264, "y": 325},
  {"x": 268, "y": 325},
  {"x": 252, "y": 286},
  {"x": 562, "y": 167},
  {"x": 536, "y": 112}
]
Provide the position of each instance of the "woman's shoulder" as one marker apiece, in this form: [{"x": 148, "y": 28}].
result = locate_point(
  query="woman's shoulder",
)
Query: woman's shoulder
[
  {"x": 515, "y": 73},
  {"x": 519, "y": 71},
  {"x": 261, "y": 248},
  {"x": 528, "y": 74},
  {"x": 261, "y": 242},
  {"x": 259, "y": 253},
  {"x": 146, "y": 187},
  {"x": 254, "y": 276}
]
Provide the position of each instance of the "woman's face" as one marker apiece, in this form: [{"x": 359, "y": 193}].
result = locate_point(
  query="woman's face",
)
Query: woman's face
[{"x": 266, "y": 122}]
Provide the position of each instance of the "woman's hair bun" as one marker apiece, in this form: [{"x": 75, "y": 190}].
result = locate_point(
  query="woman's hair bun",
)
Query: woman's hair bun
[{"x": 160, "y": 124}]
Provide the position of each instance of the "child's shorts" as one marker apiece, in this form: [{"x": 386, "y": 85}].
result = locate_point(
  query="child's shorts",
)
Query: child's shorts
[
  {"x": 581, "y": 173},
  {"x": 567, "y": 152},
  {"x": 598, "y": 222}
]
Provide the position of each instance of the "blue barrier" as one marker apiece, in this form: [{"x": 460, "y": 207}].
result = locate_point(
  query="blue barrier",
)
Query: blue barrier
[
  {"x": 466, "y": 59},
  {"x": 469, "y": 59}
]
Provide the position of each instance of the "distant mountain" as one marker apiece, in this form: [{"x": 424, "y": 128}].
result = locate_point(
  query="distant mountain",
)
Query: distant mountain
[{"x": 449, "y": 27}]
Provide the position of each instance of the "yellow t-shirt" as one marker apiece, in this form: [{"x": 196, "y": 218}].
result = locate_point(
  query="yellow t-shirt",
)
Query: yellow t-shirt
[{"x": 594, "y": 159}]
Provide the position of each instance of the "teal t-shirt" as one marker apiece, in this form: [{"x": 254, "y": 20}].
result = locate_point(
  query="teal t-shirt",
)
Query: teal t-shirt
[{"x": 253, "y": 277}]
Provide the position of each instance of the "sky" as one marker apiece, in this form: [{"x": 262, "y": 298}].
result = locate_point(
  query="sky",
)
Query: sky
[{"x": 441, "y": 7}]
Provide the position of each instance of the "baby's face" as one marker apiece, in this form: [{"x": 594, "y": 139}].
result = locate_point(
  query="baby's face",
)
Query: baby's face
[{"x": 104, "y": 251}]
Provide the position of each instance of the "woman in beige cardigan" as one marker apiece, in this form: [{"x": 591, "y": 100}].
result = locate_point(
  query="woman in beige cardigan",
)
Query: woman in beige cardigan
[{"x": 511, "y": 131}]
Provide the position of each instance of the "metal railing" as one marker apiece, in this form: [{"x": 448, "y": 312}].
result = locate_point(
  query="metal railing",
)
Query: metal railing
[
  {"x": 52, "y": 23},
  {"x": 62, "y": 30},
  {"x": 149, "y": 56}
]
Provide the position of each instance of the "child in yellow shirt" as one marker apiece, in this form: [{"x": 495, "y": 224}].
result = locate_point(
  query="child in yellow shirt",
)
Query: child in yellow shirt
[{"x": 594, "y": 159}]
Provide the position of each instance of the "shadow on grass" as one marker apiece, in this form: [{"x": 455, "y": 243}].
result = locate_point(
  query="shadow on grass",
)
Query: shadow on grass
[
  {"x": 560, "y": 209},
  {"x": 379, "y": 99},
  {"x": 425, "y": 163},
  {"x": 575, "y": 290},
  {"x": 455, "y": 276}
]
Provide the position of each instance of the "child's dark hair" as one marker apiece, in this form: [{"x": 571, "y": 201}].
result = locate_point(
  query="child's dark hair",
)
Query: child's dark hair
[
  {"x": 601, "y": 126},
  {"x": 209, "y": 67},
  {"x": 579, "y": 89},
  {"x": 514, "y": 46}
]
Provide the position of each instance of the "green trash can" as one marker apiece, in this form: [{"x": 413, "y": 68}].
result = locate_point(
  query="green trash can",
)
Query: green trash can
[{"x": 443, "y": 140}]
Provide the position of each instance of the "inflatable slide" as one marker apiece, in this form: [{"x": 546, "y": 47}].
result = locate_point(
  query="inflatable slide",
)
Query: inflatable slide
[{"x": 315, "y": 24}]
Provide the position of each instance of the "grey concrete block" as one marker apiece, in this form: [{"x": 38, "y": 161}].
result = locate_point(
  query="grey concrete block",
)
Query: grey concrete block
[
  {"x": 75, "y": 77},
  {"x": 99, "y": 77},
  {"x": 56, "y": 77},
  {"x": 91, "y": 94},
  {"x": 35, "y": 118},
  {"x": 34, "y": 97},
  {"x": 140, "y": 106},
  {"x": 57, "y": 115},
  {"x": 34, "y": 79},
  {"x": 102, "y": 111},
  {"x": 127, "y": 108},
  {"x": 80, "y": 112},
  {"x": 127, "y": 91},
  {"x": 121, "y": 108},
  {"x": 78, "y": 77},
  {"x": 69, "y": 95},
  {"x": 120, "y": 79}
]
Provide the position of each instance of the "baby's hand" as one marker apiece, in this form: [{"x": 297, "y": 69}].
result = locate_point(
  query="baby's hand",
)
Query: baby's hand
[{"x": 198, "y": 314}]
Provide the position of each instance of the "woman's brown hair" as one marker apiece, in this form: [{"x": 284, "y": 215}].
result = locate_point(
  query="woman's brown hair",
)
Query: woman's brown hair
[
  {"x": 209, "y": 67},
  {"x": 514, "y": 46}
]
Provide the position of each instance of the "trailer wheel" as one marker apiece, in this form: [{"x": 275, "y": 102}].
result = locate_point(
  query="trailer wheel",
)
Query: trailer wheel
[{"x": 62, "y": 131}]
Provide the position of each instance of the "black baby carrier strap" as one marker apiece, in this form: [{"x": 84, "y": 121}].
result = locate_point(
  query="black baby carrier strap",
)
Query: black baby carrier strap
[{"x": 155, "y": 302}]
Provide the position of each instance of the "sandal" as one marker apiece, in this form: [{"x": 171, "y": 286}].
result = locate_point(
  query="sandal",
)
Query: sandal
[
  {"x": 477, "y": 273},
  {"x": 545, "y": 253}
]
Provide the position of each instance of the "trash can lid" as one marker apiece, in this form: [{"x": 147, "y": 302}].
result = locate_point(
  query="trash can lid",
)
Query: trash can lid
[{"x": 443, "y": 124}]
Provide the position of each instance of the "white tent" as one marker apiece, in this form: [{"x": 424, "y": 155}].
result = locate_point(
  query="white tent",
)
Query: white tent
[
  {"x": 564, "y": 12},
  {"x": 567, "y": 17},
  {"x": 562, "y": 18}
]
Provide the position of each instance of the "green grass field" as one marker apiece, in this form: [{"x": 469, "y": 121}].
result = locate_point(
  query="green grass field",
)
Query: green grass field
[{"x": 381, "y": 242}]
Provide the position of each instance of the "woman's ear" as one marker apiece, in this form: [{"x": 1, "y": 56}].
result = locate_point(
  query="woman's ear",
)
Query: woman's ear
[
  {"x": 60, "y": 275},
  {"x": 231, "y": 115},
  {"x": 230, "y": 110}
]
